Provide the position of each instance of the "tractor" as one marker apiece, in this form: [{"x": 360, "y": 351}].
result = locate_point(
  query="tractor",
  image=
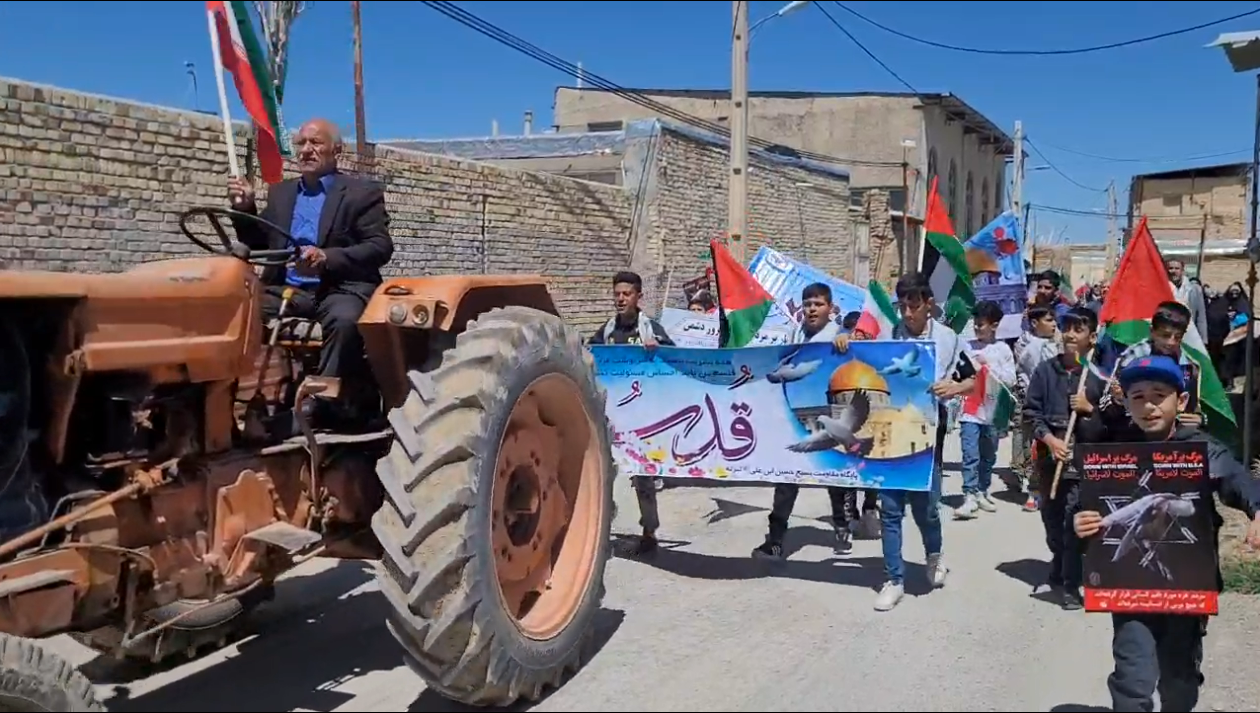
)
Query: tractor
[{"x": 159, "y": 472}]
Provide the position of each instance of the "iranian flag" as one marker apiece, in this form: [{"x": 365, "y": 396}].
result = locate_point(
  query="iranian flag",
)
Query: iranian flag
[
  {"x": 1139, "y": 286},
  {"x": 879, "y": 316},
  {"x": 239, "y": 52},
  {"x": 743, "y": 304},
  {"x": 945, "y": 264}
]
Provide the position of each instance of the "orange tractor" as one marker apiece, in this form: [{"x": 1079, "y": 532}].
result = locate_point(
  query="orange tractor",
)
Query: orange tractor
[{"x": 151, "y": 496}]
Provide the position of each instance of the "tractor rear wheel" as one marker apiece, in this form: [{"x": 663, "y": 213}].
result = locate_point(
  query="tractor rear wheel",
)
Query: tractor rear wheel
[
  {"x": 498, "y": 511},
  {"x": 33, "y": 680}
]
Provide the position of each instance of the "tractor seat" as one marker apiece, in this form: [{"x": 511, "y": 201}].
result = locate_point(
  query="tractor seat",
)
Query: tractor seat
[{"x": 296, "y": 329}]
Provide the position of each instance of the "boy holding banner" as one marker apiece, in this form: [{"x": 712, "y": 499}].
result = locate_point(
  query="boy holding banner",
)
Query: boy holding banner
[
  {"x": 816, "y": 326},
  {"x": 954, "y": 377},
  {"x": 1164, "y": 652}
]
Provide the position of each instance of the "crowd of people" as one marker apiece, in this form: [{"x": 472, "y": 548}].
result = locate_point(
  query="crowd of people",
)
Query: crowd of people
[{"x": 1146, "y": 400}]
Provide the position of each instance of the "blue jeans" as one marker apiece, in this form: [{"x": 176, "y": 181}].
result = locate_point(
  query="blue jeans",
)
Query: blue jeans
[
  {"x": 979, "y": 454},
  {"x": 924, "y": 507}
]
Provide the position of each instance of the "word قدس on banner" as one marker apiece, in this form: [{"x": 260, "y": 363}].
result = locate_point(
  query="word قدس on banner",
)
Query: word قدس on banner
[{"x": 740, "y": 430}]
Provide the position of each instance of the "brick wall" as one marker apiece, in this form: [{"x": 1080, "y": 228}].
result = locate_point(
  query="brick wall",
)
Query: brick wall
[
  {"x": 93, "y": 184},
  {"x": 798, "y": 211}
]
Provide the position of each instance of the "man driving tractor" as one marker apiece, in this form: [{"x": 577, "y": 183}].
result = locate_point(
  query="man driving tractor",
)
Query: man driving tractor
[{"x": 341, "y": 230}]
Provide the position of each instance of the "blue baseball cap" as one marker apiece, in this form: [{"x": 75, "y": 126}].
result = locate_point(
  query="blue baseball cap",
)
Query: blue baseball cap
[{"x": 1157, "y": 367}]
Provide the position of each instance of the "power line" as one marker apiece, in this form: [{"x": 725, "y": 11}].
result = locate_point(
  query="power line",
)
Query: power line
[
  {"x": 1116, "y": 159},
  {"x": 498, "y": 34},
  {"x": 1043, "y": 53},
  {"x": 866, "y": 51},
  {"x": 1028, "y": 142}
]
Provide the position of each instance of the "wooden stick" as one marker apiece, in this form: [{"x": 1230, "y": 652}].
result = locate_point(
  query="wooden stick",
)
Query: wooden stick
[{"x": 1067, "y": 437}]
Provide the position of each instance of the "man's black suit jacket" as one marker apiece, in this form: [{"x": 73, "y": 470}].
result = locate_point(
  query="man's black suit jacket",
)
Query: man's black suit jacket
[{"x": 353, "y": 232}]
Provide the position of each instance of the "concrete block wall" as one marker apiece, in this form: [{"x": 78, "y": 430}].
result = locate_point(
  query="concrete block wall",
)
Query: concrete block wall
[
  {"x": 795, "y": 210},
  {"x": 95, "y": 184}
]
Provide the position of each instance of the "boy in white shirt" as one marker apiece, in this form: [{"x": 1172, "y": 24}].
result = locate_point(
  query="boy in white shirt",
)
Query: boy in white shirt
[{"x": 996, "y": 371}]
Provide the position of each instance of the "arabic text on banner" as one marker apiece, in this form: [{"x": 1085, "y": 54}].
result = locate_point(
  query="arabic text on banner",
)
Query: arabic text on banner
[
  {"x": 1156, "y": 552},
  {"x": 784, "y": 414},
  {"x": 697, "y": 330},
  {"x": 784, "y": 278}
]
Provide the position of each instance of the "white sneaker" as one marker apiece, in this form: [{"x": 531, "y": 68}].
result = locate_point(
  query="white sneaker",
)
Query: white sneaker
[
  {"x": 936, "y": 570},
  {"x": 968, "y": 509},
  {"x": 889, "y": 596},
  {"x": 870, "y": 525},
  {"x": 985, "y": 502}
]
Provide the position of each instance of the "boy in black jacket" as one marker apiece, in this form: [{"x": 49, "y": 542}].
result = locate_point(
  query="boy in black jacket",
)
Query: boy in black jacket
[
  {"x": 1164, "y": 652},
  {"x": 1048, "y": 405}
]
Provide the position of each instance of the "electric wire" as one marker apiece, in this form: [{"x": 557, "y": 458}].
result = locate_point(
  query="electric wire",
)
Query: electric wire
[
  {"x": 1118, "y": 159},
  {"x": 498, "y": 34},
  {"x": 1043, "y": 53},
  {"x": 1028, "y": 142}
]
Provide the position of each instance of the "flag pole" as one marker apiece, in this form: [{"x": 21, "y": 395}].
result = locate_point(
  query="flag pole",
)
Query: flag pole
[{"x": 224, "y": 114}]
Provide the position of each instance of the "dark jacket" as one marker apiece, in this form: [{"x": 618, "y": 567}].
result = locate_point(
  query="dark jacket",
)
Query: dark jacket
[
  {"x": 353, "y": 232},
  {"x": 1228, "y": 480},
  {"x": 629, "y": 334},
  {"x": 1047, "y": 406}
]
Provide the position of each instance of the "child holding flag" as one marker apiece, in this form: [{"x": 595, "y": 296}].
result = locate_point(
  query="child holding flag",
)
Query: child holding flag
[
  {"x": 1164, "y": 652},
  {"x": 1051, "y": 399},
  {"x": 996, "y": 367}
]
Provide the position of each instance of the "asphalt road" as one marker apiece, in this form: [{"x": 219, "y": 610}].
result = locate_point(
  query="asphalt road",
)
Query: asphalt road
[{"x": 703, "y": 628}]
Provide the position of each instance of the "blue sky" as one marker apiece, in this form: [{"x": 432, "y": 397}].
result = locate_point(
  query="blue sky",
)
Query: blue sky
[{"x": 428, "y": 77}]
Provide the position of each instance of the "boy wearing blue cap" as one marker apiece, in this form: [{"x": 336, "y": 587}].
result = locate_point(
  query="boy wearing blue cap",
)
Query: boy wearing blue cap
[{"x": 1164, "y": 652}]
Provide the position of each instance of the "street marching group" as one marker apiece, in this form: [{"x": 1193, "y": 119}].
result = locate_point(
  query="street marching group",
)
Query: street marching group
[{"x": 1074, "y": 384}]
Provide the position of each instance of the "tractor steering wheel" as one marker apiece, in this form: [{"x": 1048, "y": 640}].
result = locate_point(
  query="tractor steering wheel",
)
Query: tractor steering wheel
[{"x": 236, "y": 249}]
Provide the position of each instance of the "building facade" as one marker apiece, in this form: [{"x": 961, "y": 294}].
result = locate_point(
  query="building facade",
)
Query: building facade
[
  {"x": 896, "y": 142},
  {"x": 1203, "y": 209}
]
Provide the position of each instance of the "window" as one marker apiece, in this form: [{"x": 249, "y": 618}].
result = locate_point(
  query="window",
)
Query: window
[
  {"x": 984, "y": 202},
  {"x": 931, "y": 168},
  {"x": 604, "y": 126},
  {"x": 856, "y": 198},
  {"x": 951, "y": 191},
  {"x": 897, "y": 199},
  {"x": 969, "y": 208},
  {"x": 999, "y": 193}
]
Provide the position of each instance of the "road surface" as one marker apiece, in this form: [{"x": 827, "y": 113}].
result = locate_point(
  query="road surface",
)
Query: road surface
[{"x": 703, "y": 628}]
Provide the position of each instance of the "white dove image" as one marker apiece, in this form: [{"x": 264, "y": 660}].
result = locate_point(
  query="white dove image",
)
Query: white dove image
[
  {"x": 840, "y": 432},
  {"x": 907, "y": 365},
  {"x": 786, "y": 372},
  {"x": 1146, "y": 520}
]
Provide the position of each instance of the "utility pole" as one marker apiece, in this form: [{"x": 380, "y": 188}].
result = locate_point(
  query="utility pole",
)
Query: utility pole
[
  {"x": 360, "y": 120},
  {"x": 737, "y": 200},
  {"x": 1113, "y": 239},
  {"x": 1017, "y": 172}
]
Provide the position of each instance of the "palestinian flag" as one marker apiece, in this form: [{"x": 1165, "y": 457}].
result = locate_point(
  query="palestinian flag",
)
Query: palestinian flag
[
  {"x": 1140, "y": 284},
  {"x": 879, "y": 316},
  {"x": 945, "y": 264},
  {"x": 743, "y": 304},
  {"x": 242, "y": 55}
]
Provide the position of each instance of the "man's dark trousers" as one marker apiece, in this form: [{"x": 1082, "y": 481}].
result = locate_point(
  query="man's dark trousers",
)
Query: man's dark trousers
[
  {"x": 785, "y": 499},
  {"x": 1156, "y": 653},
  {"x": 337, "y": 310}
]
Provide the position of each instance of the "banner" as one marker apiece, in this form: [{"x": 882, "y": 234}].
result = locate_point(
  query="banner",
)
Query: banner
[
  {"x": 995, "y": 258},
  {"x": 789, "y": 414},
  {"x": 699, "y": 330},
  {"x": 784, "y": 278},
  {"x": 1156, "y": 552}
]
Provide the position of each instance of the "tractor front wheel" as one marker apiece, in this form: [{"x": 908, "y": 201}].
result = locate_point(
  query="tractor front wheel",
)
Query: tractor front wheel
[
  {"x": 34, "y": 680},
  {"x": 498, "y": 511}
]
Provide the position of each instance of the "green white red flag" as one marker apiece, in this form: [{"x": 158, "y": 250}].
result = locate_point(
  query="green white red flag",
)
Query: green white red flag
[{"x": 241, "y": 54}]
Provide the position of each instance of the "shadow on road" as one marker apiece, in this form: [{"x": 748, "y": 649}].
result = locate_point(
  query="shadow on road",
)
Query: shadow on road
[
  {"x": 607, "y": 621},
  {"x": 865, "y": 572},
  {"x": 1077, "y": 708},
  {"x": 326, "y": 636}
]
